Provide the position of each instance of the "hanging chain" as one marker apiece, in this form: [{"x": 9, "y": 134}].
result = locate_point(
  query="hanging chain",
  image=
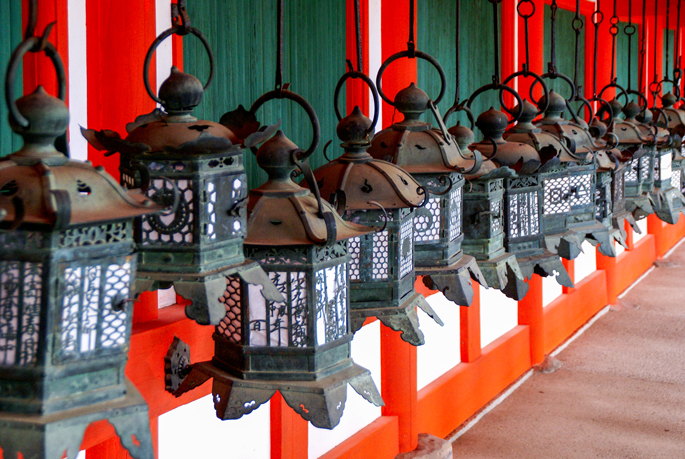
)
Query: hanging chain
[
  {"x": 526, "y": 17},
  {"x": 677, "y": 72},
  {"x": 597, "y": 18},
  {"x": 613, "y": 30},
  {"x": 457, "y": 92},
  {"x": 411, "y": 44},
  {"x": 630, "y": 30},
  {"x": 31, "y": 29},
  {"x": 552, "y": 66},
  {"x": 668, "y": 7},
  {"x": 577, "y": 25},
  {"x": 180, "y": 17},
  {"x": 279, "y": 53},
  {"x": 643, "y": 49},
  {"x": 495, "y": 76},
  {"x": 358, "y": 36}
]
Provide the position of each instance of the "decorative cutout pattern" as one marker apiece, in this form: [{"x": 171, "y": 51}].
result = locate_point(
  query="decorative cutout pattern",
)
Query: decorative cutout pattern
[
  {"x": 633, "y": 167},
  {"x": 581, "y": 190},
  {"x": 645, "y": 167},
  {"x": 676, "y": 179},
  {"x": 331, "y": 303},
  {"x": 211, "y": 210},
  {"x": 230, "y": 325},
  {"x": 619, "y": 186},
  {"x": 428, "y": 228},
  {"x": 21, "y": 290},
  {"x": 95, "y": 235},
  {"x": 175, "y": 228},
  {"x": 115, "y": 322},
  {"x": 355, "y": 246},
  {"x": 496, "y": 220},
  {"x": 455, "y": 203},
  {"x": 406, "y": 247},
  {"x": 556, "y": 198},
  {"x": 523, "y": 214},
  {"x": 380, "y": 256}
]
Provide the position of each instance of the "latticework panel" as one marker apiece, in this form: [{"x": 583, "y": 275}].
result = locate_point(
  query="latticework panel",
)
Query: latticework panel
[
  {"x": 108, "y": 233},
  {"x": 20, "y": 304},
  {"x": 114, "y": 319},
  {"x": 618, "y": 184},
  {"x": 631, "y": 170},
  {"x": 676, "y": 179},
  {"x": 645, "y": 166},
  {"x": 280, "y": 324},
  {"x": 428, "y": 227},
  {"x": 406, "y": 247},
  {"x": 496, "y": 217},
  {"x": 211, "y": 210},
  {"x": 523, "y": 214},
  {"x": 580, "y": 190},
  {"x": 355, "y": 246},
  {"x": 380, "y": 255},
  {"x": 456, "y": 206},
  {"x": 174, "y": 228},
  {"x": 556, "y": 195},
  {"x": 331, "y": 303},
  {"x": 230, "y": 325}
]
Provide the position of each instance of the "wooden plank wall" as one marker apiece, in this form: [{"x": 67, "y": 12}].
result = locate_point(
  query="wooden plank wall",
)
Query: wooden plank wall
[{"x": 10, "y": 10}]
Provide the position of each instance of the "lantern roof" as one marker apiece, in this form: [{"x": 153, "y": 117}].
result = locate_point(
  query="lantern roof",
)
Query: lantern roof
[
  {"x": 365, "y": 181},
  {"x": 283, "y": 213},
  {"x": 39, "y": 185}
]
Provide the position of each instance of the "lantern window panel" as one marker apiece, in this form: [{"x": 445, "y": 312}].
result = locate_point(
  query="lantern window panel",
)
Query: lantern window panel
[
  {"x": 428, "y": 226},
  {"x": 523, "y": 214},
  {"x": 556, "y": 192},
  {"x": 230, "y": 325},
  {"x": 20, "y": 302},
  {"x": 406, "y": 247},
  {"x": 211, "y": 210},
  {"x": 331, "y": 303},
  {"x": 280, "y": 324},
  {"x": 174, "y": 228},
  {"x": 354, "y": 247},
  {"x": 89, "y": 321},
  {"x": 682, "y": 181},
  {"x": 645, "y": 166},
  {"x": 455, "y": 203},
  {"x": 380, "y": 260},
  {"x": 580, "y": 190},
  {"x": 676, "y": 181},
  {"x": 662, "y": 168},
  {"x": 619, "y": 186},
  {"x": 496, "y": 217},
  {"x": 108, "y": 233},
  {"x": 632, "y": 169}
]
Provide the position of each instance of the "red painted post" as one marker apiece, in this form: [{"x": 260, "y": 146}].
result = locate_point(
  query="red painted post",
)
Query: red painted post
[
  {"x": 469, "y": 328},
  {"x": 146, "y": 308},
  {"x": 571, "y": 269},
  {"x": 357, "y": 92},
  {"x": 530, "y": 313},
  {"x": 119, "y": 34},
  {"x": 289, "y": 432}
]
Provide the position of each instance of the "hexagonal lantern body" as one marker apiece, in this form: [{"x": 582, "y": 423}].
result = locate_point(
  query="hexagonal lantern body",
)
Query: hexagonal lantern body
[
  {"x": 195, "y": 166},
  {"x": 300, "y": 345},
  {"x": 523, "y": 199},
  {"x": 668, "y": 198},
  {"x": 568, "y": 179},
  {"x": 434, "y": 159},
  {"x": 676, "y": 126},
  {"x": 380, "y": 195},
  {"x": 484, "y": 223},
  {"x": 638, "y": 150},
  {"x": 66, "y": 270}
]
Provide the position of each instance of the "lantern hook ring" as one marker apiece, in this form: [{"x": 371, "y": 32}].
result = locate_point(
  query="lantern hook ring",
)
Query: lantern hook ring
[
  {"x": 516, "y": 114},
  {"x": 615, "y": 85},
  {"x": 458, "y": 108},
  {"x": 527, "y": 73},
  {"x": 605, "y": 107},
  {"x": 369, "y": 82},
  {"x": 32, "y": 44},
  {"x": 615, "y": 140},
  {"x": 423, "y": 191},
  {"x": 523, "y": 14},
  {"x": 385, "y": 215},
  {"x": 178, "y": 30},
  {"x": 302, "y": 102},
  {"x": 421, "y": 55}
]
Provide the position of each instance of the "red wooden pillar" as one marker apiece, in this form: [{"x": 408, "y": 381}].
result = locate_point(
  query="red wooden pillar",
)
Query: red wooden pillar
[
  {"x": 571, "y": 269},
  {"x": 398, "y": 358},
  {"x": 119, "y": 34},
  {"x": 530, "y": 313},
  {"x": 357, "y": 91},
  {"x": 469, "y": 328},
  {"x": 289, "y": 432}
]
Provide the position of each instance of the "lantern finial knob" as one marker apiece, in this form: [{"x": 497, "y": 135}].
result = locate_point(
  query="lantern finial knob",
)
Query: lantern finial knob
[
  {"x": 274, "y": 156},
  {"x": 631, "y": 110},
  {"x": 492, "y": 123},
  {"x": 48, "y": 119},
  {"x": 616, "y": 107},
  {"x": 463, "y": 135},
  {"x": 557, "y": 104},
  {"x": 669, "y": 100},
  {"x": 180, "y": 92},
  {"x": 412, "y": 102},
  {"x": 353, "y": 129}
]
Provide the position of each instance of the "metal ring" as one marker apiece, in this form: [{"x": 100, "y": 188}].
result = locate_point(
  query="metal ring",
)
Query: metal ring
[
  {"x": 613, "y": 30},
  {"x": 538, "y": 78},
  {"x": 640, "y": 97},
  {"x": 597, "y": 17},
  {"x": 500, "y": 87},
  {"x": 585, "y": 103},
  {"x": 574, "y": 24},
  {"x": 631, "y": 28},
  {"x": 163, "y": 36},
  {"x": 15, "y": 60},
  {"x": 419, "y": 54},
  {"x": 298, "y": 99},
  {"x": 362, "y": 76},
  {"x": 523, "y": 15},
  {"x": 623, "y": 92},
  {"x": 554, "y": 76},
  {"x": 657, "y": 88},
  {"x": 460, "y": 108},
  {"x": 604, "y": 107}
]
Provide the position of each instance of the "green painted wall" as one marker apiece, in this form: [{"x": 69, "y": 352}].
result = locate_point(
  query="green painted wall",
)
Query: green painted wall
[
  {"x": 565, "y": 49},
  {"x": 10, "y": 11},
  {"x": 622, "y": 58},
  {"x": 435, "y": 35},
  {"x": 242, "y": 34}
]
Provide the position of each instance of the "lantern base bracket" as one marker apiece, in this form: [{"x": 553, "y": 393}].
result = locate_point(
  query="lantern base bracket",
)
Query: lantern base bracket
[
  {"x": 639, "y": 206},
  {"x": 320, "y": 402},
  {"x": 545, "y": 264},
  {"x": 567, "y": 245},
  {"x": 668, "y": 204},
  {"x": 503, "y": 273},
  {"x": 454, "y": 281},
  {"x": 402, "y": 318},
  {"x": 205, "y": 289},
  {"x": 49, "y": 436}
]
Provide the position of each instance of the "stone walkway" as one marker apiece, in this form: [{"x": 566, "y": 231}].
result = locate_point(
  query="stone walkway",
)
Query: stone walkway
[{"x": 620, "y": 392}]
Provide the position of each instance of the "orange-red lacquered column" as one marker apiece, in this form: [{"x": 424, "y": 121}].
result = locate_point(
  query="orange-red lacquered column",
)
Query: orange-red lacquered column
[
  {"x": 469, "y": 328},
  {"x": 530, "y": 313}
]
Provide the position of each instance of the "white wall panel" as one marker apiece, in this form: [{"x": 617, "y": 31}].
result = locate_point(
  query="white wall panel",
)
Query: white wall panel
[
  {"x": 498, "y": 315},
  {"x": 442, "y": 351}
]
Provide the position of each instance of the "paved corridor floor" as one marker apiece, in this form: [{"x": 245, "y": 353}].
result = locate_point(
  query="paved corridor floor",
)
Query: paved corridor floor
[{"x": 620, "y": 392}]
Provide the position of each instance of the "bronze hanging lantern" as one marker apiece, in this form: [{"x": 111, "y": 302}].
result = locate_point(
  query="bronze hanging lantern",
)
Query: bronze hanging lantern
[
  {"x": 197, "y": 166},
  {"x": 300, "y": 346},
  {"x": 66, "y": 269},
  {"x": 483, "y": 206},
  {"x": 434, "y": 159},
  {"x": 380, "y": 195}
]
